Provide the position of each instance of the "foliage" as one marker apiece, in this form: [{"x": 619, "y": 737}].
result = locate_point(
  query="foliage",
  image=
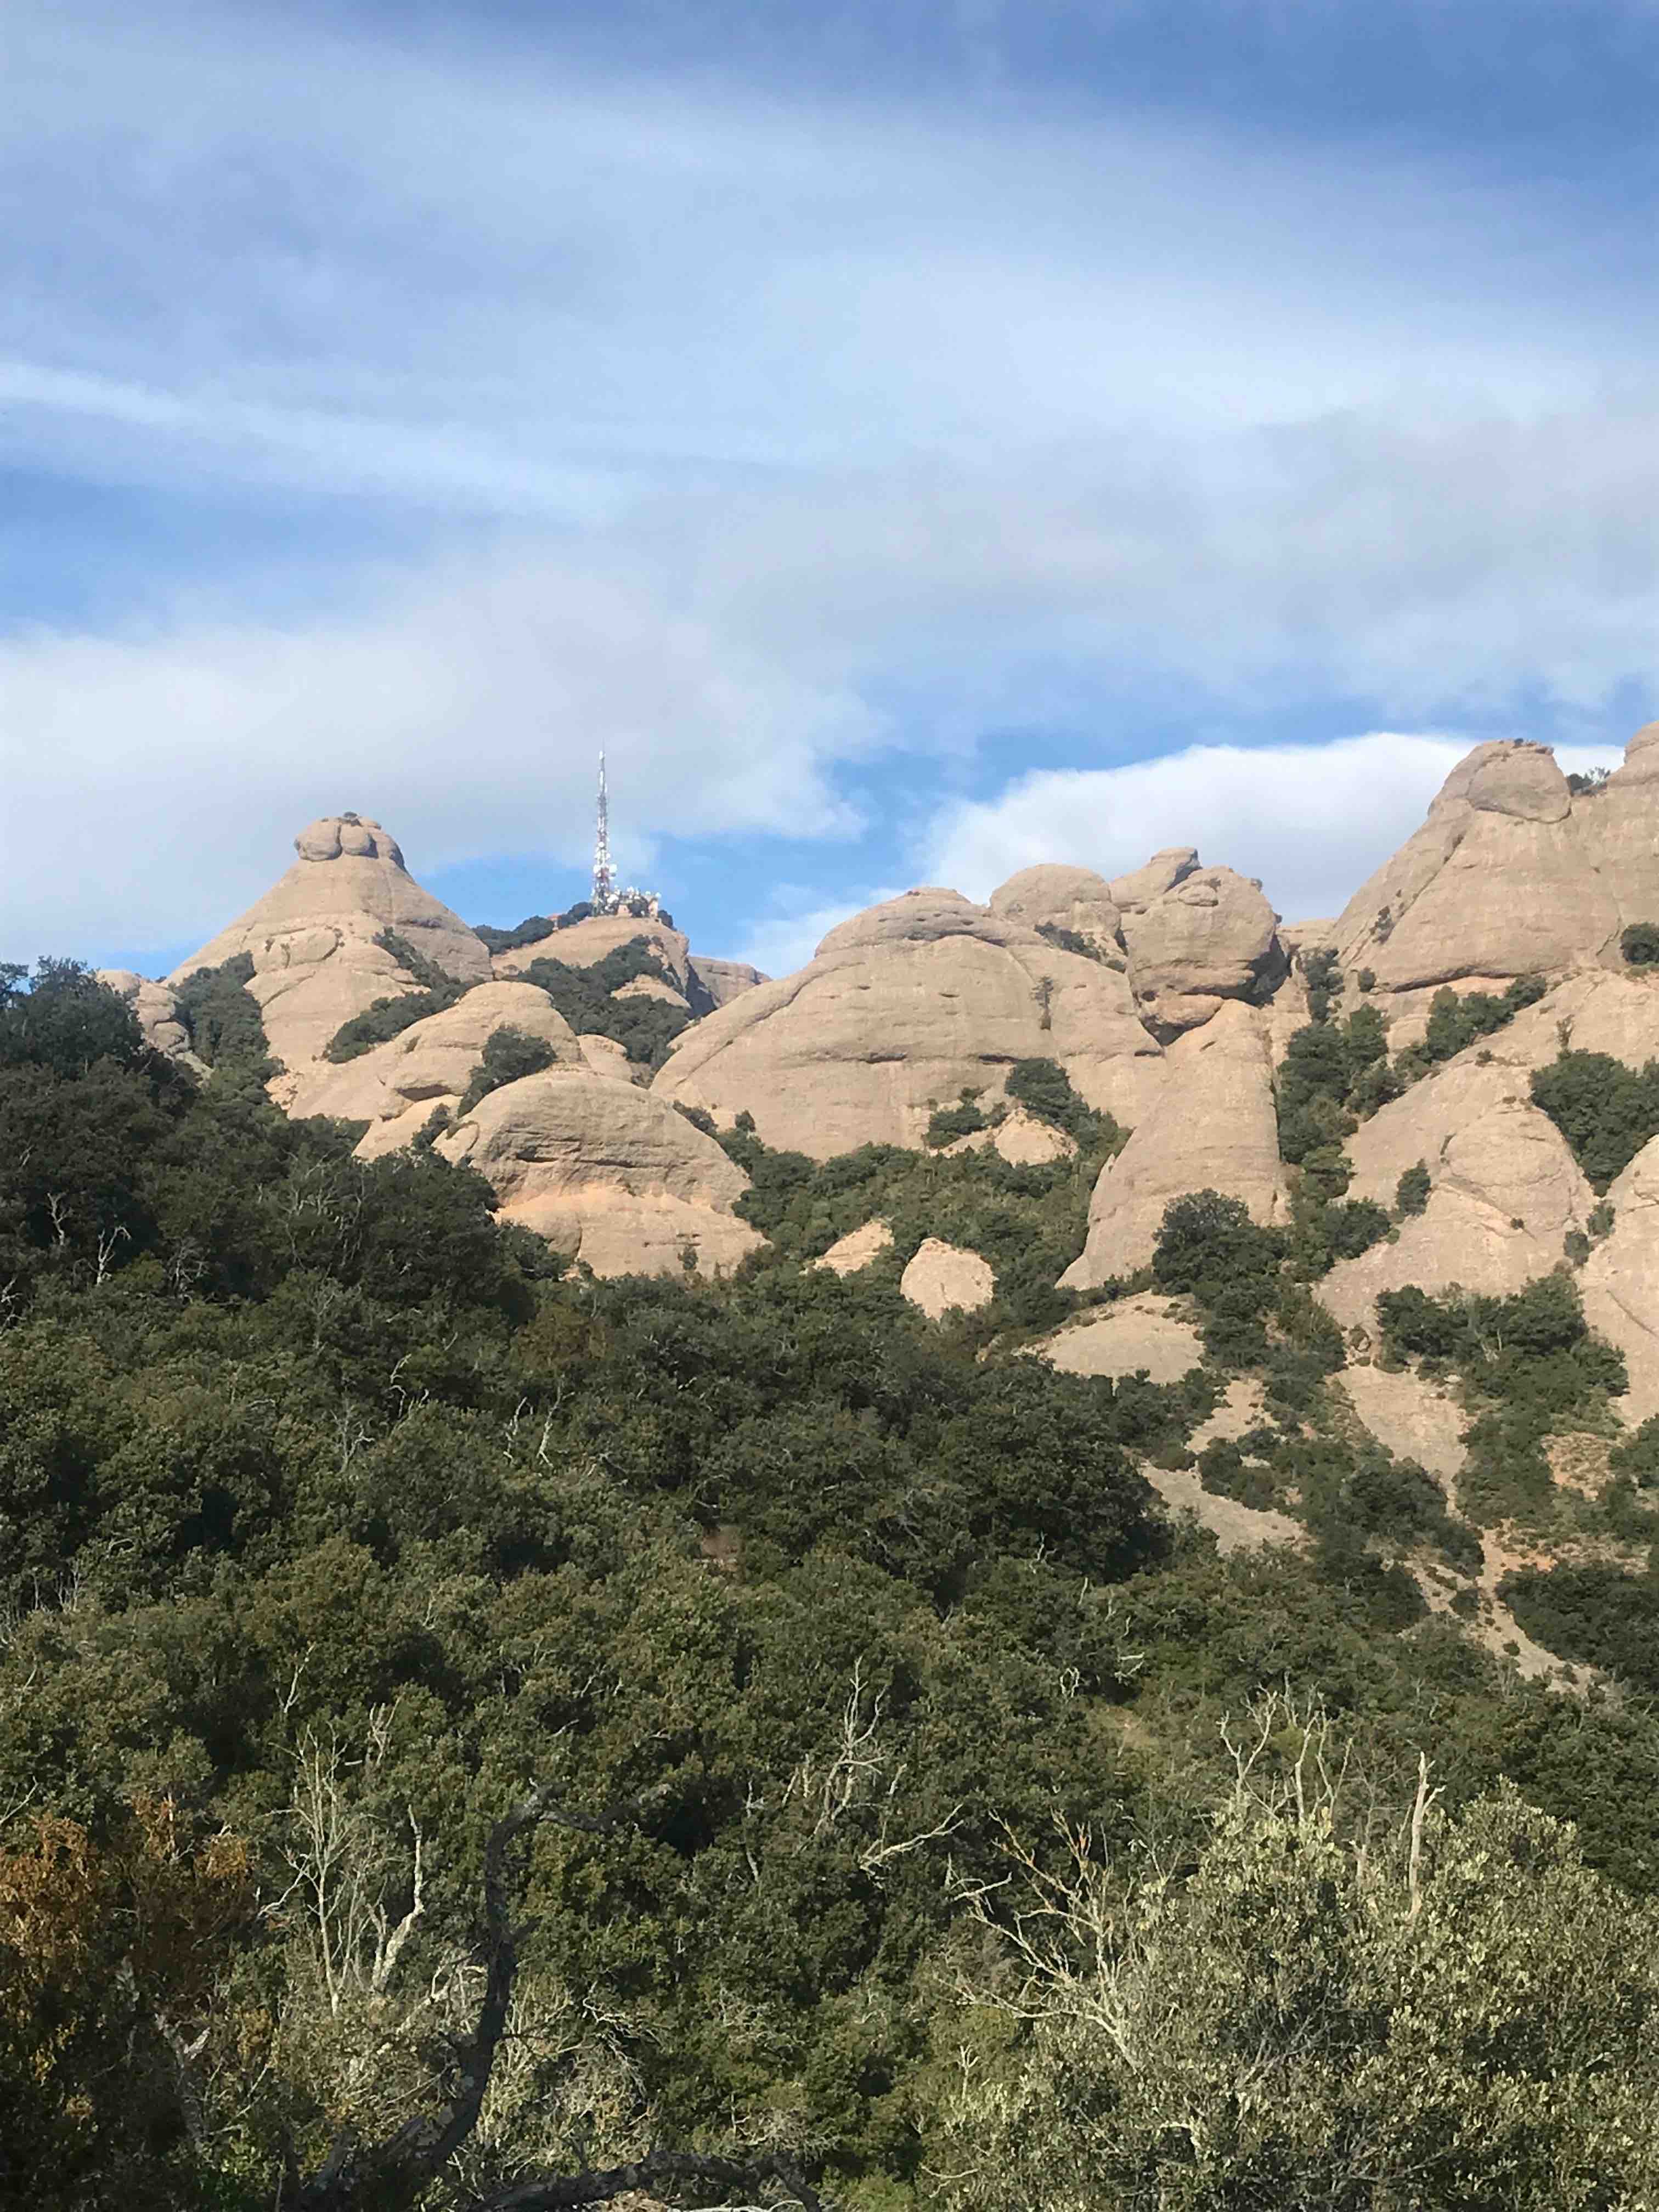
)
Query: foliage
[
  {"x": 1637, "y": 1455},
  {"x": 530, "y": 931},
  {"x": 1457, "y": 1021},
  {"x": 1530, "y": 1364},
  {"x": 1323, "y": 979},
  {"x": 1605, "y": 1110},
  {"x": 1030, "y": 1223},
  {"x": 1602, "y": 1615},
  {"x": 644, "y": 1027},
  {"x": 1072, "y": 940},
  {"x": 1411, "y": 1192},
  {"x": 1587, "y": 783},
  {"x": 222, "y": 1015},
  {"x": 1292, "y": 2020},
  {"x": 435, "y": 993},
  {"x": 1043, "y": 1088},
  {"x": 965, "y": 1119},
  {"x": 1639, "y": 944},
  {"x": 509, "y": 1054},
  {"x": 333, "y": 1515}
]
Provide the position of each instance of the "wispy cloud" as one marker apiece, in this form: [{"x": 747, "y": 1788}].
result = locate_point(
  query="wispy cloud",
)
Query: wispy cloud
[{"x": 756, "y": 412}]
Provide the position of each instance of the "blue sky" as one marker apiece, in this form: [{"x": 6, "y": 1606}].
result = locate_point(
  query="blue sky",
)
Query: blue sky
[{"x": 913, "y": 438}]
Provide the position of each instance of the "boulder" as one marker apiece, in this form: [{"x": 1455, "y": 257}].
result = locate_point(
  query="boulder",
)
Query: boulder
[
  {"x": 156, "y": 1007},
  {"x": 398, "y": 1086},
  {"x": 608, "y": 1173},
  {"x": 1211, "y": 936},
  {"x": 1072, "y": 899},
  {"x": 1214, "y": 1129},
  {"x": 312, "y": 939},
  {"x": 1162, "y": 873},
  {"x": 944, "y": 1279},
  {"x": 722, "y": 981},
  {"x": 607, "y": 1057},
  {"x": 902, "y": 1009},
  {"x": 857, "y": 1249},
  {"x": 1138, "y": 1335}
]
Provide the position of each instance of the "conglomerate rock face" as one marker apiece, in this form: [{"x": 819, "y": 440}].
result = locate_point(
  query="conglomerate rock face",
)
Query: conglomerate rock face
[
  {"x": 1210, "y": 937},
  {"x": 398, "y": 1086},
  {"x": 610, "y": 1174},
  {"x": 1072, "y": 899},
  {"x": 312, "y": 939},
  {"x": 903, "y": 1008},
  {"x": 1214, "y": 1128},
  {"x": 156, "y": 1007},
  {"x": 1510, "y": 875}
]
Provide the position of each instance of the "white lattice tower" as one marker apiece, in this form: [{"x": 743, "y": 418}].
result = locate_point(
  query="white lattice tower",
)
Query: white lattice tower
[{"x": 604, "y": 887}]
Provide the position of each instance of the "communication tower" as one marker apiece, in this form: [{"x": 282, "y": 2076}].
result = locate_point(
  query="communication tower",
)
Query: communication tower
[
  {"x": 604, "y": 880},
  {"x": 642, "y": 906}
]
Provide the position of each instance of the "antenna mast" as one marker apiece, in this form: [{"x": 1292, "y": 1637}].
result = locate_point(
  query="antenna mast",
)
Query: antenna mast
[{"x": 604, "y": 887}]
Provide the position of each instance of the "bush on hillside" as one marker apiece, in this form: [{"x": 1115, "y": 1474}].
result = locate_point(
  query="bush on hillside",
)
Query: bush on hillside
[
  {"x": 508, "y": 1055},
  {"x": 1605, "y": 1110},
  {"x": 1640, "y": 944},
  {"x": 222, "y": 1015}
]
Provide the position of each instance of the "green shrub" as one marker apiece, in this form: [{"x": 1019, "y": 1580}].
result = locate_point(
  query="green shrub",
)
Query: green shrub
[
  {"x": 644, "y": 1027},
  {"x": 1605, "y": 1110},
  {"x": 389, "y": 1017},
  {"x": 1637, "y": 1456},
  {"x": 1455, "y": 1022},
  {"x": 221, "y": 1014},
  {"x": 965, "y": 1119},
  {"x": 1600, "y": 1615},
  {"x": 1071, "y": 940},
  {"x": 1323, "y": 978},
  {"x": 508, "y": 1055},
  {"x": 1640, "y": 944},
  {"x": 1043, "y": 1088},
  {"x": 1411, "y": 1192}
]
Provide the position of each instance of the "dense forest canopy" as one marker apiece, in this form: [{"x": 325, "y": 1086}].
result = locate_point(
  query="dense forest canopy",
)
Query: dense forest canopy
[{"x": 906, "y": 1811}]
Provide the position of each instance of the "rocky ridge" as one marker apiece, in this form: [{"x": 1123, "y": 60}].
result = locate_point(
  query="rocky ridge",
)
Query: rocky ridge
[{"x": 1168, "y": 997}]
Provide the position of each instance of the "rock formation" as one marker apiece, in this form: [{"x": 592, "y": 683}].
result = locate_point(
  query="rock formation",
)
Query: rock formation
[
  {"x": 1210, "y": 936},
  {"x": 1214, "y": 1129},
  {"x": 157, "y": 1009},
  {"x": 901, "y": 1010},
  {"x": 721, "y": 981},
  {"x": 1138, "y": 1335},
  {"x": 312, "y": 939},
  {"x": 1509, "y": 875},
  {"x": 1072, "y": 899},
  {"x": 609, "y": 1174},
  {"x": 944, "y": 1279},
  {"x": 398, "y": 1086},
  {"x": 850, "y": 1253},
  {"x": 1504, "y": 1189}
]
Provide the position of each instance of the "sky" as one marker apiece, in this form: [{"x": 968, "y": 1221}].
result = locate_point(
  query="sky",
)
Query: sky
[{"x": 913, "y": 438}]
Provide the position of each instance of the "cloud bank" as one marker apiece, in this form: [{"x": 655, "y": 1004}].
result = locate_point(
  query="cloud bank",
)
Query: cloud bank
[{"x": 1311, "y": 821}]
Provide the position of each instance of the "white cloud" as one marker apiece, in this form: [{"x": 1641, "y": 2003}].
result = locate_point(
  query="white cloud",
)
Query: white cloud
[
  {"x": 152, "y": 786},
  {"x": 794, "y": 410},
  {"x": 789, "y": 938},
  {"x": 1311, "y": 821}
]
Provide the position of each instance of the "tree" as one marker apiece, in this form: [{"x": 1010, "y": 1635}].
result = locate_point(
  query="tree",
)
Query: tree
[{"x": 1430, "y": 2012}]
